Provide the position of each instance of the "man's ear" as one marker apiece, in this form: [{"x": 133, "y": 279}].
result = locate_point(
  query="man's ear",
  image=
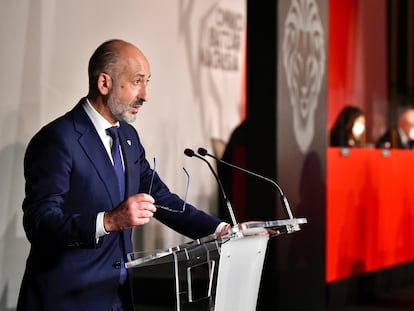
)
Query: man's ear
[{"x": 104, "y": 83}]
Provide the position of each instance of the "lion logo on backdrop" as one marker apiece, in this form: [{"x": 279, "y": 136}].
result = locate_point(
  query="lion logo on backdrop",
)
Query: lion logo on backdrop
[{"x": 303, "y": 51}]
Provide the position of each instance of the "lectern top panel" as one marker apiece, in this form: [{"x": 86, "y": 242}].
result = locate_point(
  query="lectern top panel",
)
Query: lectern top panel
[{"x": 213, "y": 242}]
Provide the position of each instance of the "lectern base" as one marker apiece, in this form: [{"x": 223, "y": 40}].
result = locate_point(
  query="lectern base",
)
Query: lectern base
[{"x": 154, "y": 289}]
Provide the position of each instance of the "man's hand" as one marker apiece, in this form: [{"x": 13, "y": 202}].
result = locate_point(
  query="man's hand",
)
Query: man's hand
[
  {"x": 224, "y": 230},
  {"x": 137, "y": 210}
]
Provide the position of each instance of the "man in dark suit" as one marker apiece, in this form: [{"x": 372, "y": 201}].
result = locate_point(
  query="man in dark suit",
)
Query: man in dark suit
[
  {"x": 78, "y": 214},
  {"x": 401, "y": 137}
]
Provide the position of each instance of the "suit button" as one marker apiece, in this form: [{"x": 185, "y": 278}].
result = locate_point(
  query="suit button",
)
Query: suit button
[{"x": 117, "y": 264}]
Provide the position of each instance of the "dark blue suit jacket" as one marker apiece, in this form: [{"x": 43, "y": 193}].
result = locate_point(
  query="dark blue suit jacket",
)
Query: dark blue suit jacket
[{"x": 69, "y": 179}]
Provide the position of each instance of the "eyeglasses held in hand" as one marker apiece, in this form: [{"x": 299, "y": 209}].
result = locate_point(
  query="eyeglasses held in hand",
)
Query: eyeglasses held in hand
[{"x": 185, "y": 197}]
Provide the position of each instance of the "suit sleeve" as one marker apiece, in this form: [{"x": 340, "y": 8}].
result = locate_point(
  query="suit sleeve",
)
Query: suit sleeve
[{"x": 52, "y": 218}]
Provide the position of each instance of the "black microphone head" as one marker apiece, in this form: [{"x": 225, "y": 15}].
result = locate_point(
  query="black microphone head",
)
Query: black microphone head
[
  {"x": 189, "y": 152},
  {"x": 202, "y": 151}
]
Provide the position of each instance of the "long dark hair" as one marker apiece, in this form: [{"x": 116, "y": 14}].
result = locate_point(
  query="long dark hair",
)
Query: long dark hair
[{"x": 341, "y": 132}]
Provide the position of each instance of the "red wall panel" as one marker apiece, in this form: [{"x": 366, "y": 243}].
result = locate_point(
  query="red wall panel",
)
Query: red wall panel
[
  {"x": 357, "y": 61},
  {"x": 370, "y": 211}
]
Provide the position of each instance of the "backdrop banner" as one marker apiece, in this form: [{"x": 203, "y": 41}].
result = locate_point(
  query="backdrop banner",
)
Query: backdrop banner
[{"x": 195, "y": 49}]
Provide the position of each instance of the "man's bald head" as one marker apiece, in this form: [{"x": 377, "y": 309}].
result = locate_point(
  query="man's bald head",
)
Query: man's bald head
[{"x": 111, "y": 57}]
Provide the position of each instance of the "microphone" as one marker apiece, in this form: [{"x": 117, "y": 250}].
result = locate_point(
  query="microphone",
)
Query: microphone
[
  {"x": 203, "y": 152},
  {"x": 190, "y": 153}
]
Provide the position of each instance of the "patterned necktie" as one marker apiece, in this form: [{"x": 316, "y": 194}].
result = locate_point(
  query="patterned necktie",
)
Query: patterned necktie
[
  {"x": 116, "y": 157},
  {"x": 119, "y": 170}
]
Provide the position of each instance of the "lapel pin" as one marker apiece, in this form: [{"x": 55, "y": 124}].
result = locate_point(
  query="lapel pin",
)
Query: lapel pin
[{"x": 128, "y": 142}]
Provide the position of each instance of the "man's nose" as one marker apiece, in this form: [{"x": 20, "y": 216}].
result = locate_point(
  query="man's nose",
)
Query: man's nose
[{"x": 143, "y": 94}]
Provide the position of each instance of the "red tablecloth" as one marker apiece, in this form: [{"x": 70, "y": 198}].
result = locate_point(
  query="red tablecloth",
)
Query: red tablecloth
[{"x": 369, "y": 212}]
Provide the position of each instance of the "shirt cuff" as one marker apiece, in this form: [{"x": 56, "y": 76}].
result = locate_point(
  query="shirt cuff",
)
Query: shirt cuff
[
  {"x": 220, "y": 227},
  {"x": 100, "y": 228}
]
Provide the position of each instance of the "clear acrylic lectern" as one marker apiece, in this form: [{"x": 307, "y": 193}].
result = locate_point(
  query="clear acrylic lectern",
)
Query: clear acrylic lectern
[{"x": 219, "y": 272}]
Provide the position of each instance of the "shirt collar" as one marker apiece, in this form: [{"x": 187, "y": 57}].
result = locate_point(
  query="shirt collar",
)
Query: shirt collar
[{"x": 100, "y": 123}]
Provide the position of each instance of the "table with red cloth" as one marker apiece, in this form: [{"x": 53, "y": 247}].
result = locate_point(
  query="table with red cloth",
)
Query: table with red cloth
[{"x": 369, "y": 211}]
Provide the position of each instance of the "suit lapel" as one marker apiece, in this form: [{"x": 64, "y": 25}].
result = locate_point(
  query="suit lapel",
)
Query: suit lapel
[{"x": 96, "y": 152}]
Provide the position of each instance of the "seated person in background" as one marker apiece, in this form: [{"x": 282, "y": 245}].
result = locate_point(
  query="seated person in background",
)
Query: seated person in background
[
  {"x": 349, "y": 128},
  {"x": 233, "y": 181},
  {"x": 401, "y": 137}
]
